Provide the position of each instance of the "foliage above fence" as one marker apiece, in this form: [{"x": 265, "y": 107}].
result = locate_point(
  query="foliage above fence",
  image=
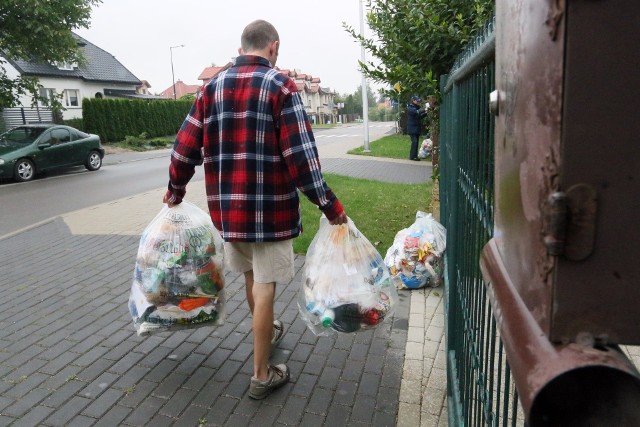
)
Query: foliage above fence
[
  {"x": 415, "y": 41},
  {"x": 114, "y": 119}
]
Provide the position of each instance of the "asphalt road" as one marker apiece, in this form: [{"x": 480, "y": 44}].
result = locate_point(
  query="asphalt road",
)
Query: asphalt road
[
  {"x": 28, "y": 203},
  {"x": 122, "y": 175}
]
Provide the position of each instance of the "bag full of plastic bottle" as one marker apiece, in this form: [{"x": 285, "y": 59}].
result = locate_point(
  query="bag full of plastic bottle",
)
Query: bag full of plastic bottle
[
  {"x": 416, "y": 258},
  {"x": 178, "y": 280},
  {"x": 347, "y": 287}
]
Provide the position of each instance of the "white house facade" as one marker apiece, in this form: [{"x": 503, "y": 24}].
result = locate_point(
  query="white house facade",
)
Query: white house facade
[
  {"x": 101, "y": 76},
  {"x": 318, "y": 101}
]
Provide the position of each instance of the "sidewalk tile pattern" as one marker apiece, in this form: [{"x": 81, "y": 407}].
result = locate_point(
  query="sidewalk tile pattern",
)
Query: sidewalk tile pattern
[{"x": 69, "y": 354}]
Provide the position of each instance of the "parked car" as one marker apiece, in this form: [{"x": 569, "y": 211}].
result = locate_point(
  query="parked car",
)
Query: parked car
[{"x": 31, "y": 149}]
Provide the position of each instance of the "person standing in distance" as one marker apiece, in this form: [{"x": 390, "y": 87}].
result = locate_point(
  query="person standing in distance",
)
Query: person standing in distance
[
  {"x": 415, "y": 114},
  {"x": 258, "y": 151}
]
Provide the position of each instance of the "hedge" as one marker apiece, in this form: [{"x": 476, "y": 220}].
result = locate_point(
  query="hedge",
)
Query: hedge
[
  {"x": 114, "y": 119},
  {"x": 77, "y": 123}
]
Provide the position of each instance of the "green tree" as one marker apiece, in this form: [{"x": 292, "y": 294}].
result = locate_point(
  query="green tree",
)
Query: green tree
[
  {"x": 416, "y": 41},
  {"x": 350, "y": 106},
  {"x": 40, "y": 31},
  {"x": 353, "y": 102}
]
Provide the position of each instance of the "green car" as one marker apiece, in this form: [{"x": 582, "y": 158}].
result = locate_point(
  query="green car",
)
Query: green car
[{"x": 31, "y": 149}]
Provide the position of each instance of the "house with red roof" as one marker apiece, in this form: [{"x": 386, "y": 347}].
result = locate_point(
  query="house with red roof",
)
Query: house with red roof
[
  {"x": 210, "y": 72},
  {"x": 318, "y": 101},
  {"x": 182, "y": 89}
]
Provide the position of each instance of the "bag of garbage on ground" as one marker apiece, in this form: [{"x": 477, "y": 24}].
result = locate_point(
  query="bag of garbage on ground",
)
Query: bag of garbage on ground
[
  {"x": 347, "y": 287},
  {"x": 178, "y": 281},
  {"x": 425, "y": 148},
  {"x": 416, "y": 258}
]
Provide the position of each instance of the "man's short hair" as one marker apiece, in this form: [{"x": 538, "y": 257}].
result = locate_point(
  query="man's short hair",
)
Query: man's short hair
[{"x": 257, "y": 35}]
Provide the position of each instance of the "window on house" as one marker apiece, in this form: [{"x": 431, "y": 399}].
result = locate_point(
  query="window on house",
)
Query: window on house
[
  {"x": 71, "y": 97},
  {"x": 68, "y": 66},
  {"x": 47, "y": 93}
]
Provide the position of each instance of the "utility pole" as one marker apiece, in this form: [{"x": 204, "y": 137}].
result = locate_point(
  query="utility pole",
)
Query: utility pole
[
  {"x": 172, "y": 75},
  {"x": 365, "y": 98}
]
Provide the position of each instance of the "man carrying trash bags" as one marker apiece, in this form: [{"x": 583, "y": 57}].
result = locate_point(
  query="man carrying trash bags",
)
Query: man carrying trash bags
[
  {"x": 249, "y": 129},
  {"x": 258, "y": 151}
]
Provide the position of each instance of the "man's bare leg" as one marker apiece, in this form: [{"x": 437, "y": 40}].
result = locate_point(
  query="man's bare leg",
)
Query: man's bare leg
[
  {"x": 262, "y": 295},
  {"x": 248, "y": 288}
]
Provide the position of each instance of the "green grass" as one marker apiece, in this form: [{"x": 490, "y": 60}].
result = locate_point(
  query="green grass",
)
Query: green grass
[
  {"x": 378, "y": 209},
  {"x": 134, "y": 143},
  {"x": 390, "y": 146}
]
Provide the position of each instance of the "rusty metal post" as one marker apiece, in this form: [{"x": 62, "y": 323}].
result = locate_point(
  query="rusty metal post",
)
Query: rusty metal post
[{"x": 575, "y": 384}]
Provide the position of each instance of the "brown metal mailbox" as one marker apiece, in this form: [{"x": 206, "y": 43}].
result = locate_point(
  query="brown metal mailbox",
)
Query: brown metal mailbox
[
  {"x": 563, "y": 268},
  {"x": 568, "y": 164}
]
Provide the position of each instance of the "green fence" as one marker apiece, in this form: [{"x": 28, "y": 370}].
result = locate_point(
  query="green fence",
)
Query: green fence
[{"x": 480, "y": 390}]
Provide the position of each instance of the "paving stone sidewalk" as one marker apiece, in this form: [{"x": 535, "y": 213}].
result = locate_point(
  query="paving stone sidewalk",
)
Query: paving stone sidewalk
[{"x": 69, "y": 354}]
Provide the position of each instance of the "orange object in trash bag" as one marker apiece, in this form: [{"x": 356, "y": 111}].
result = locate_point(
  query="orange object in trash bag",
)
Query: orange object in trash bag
[{"x": 191, "y": 303}]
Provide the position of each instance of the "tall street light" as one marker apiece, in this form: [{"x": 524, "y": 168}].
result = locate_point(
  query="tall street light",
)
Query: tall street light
[
  {"x": 365, "y": 98},
  {"x": 172, "y": 75}
]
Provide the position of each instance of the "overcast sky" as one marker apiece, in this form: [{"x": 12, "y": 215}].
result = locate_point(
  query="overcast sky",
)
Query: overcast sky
[{"x": 139, "y": 34}]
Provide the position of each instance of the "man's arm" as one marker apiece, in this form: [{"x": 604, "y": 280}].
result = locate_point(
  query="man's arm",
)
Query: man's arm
[
  {"x": 301, "y": 155},
  {"x": 186, "y": 154}
]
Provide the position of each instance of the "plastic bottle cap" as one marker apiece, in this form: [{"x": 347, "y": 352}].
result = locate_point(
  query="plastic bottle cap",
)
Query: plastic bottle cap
[{"x": 327, "y": 318}]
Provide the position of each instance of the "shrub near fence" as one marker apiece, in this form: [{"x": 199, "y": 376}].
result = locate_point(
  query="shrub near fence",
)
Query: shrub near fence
[
  {"x": 114, "y": 119},
  {"x": 77, "y": 123}
]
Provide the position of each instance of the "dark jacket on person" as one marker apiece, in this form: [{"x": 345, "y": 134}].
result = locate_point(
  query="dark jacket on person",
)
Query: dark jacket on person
[{"x": 414, "y": 119}]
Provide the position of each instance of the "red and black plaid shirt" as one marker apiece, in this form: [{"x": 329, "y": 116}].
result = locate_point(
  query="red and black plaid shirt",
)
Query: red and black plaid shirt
[{"x": 258, "y": 151}]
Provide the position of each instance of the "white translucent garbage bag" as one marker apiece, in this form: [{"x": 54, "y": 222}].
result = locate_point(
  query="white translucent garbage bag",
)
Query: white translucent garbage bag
[
  {"x": 425, "y": 148},
  {"x": 416, "y": 258},
  {"x": 347, "y": 287},
  {"x": 178, "y": 280}
]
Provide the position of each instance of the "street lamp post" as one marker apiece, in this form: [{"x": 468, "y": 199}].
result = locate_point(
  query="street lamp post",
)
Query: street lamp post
[
  {"x": 365, "y": 98},
  {"x": 172, "y": 74}
]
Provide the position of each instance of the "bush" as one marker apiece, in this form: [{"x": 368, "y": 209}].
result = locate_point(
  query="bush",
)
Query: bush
[
  {"x": 134, "y": 141},
  {"x": 157, "y": 142},
  {"x": 118, "y": 119},
  {"x": 142, "y": 142},
  {"x": 75, "y": 123}
]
